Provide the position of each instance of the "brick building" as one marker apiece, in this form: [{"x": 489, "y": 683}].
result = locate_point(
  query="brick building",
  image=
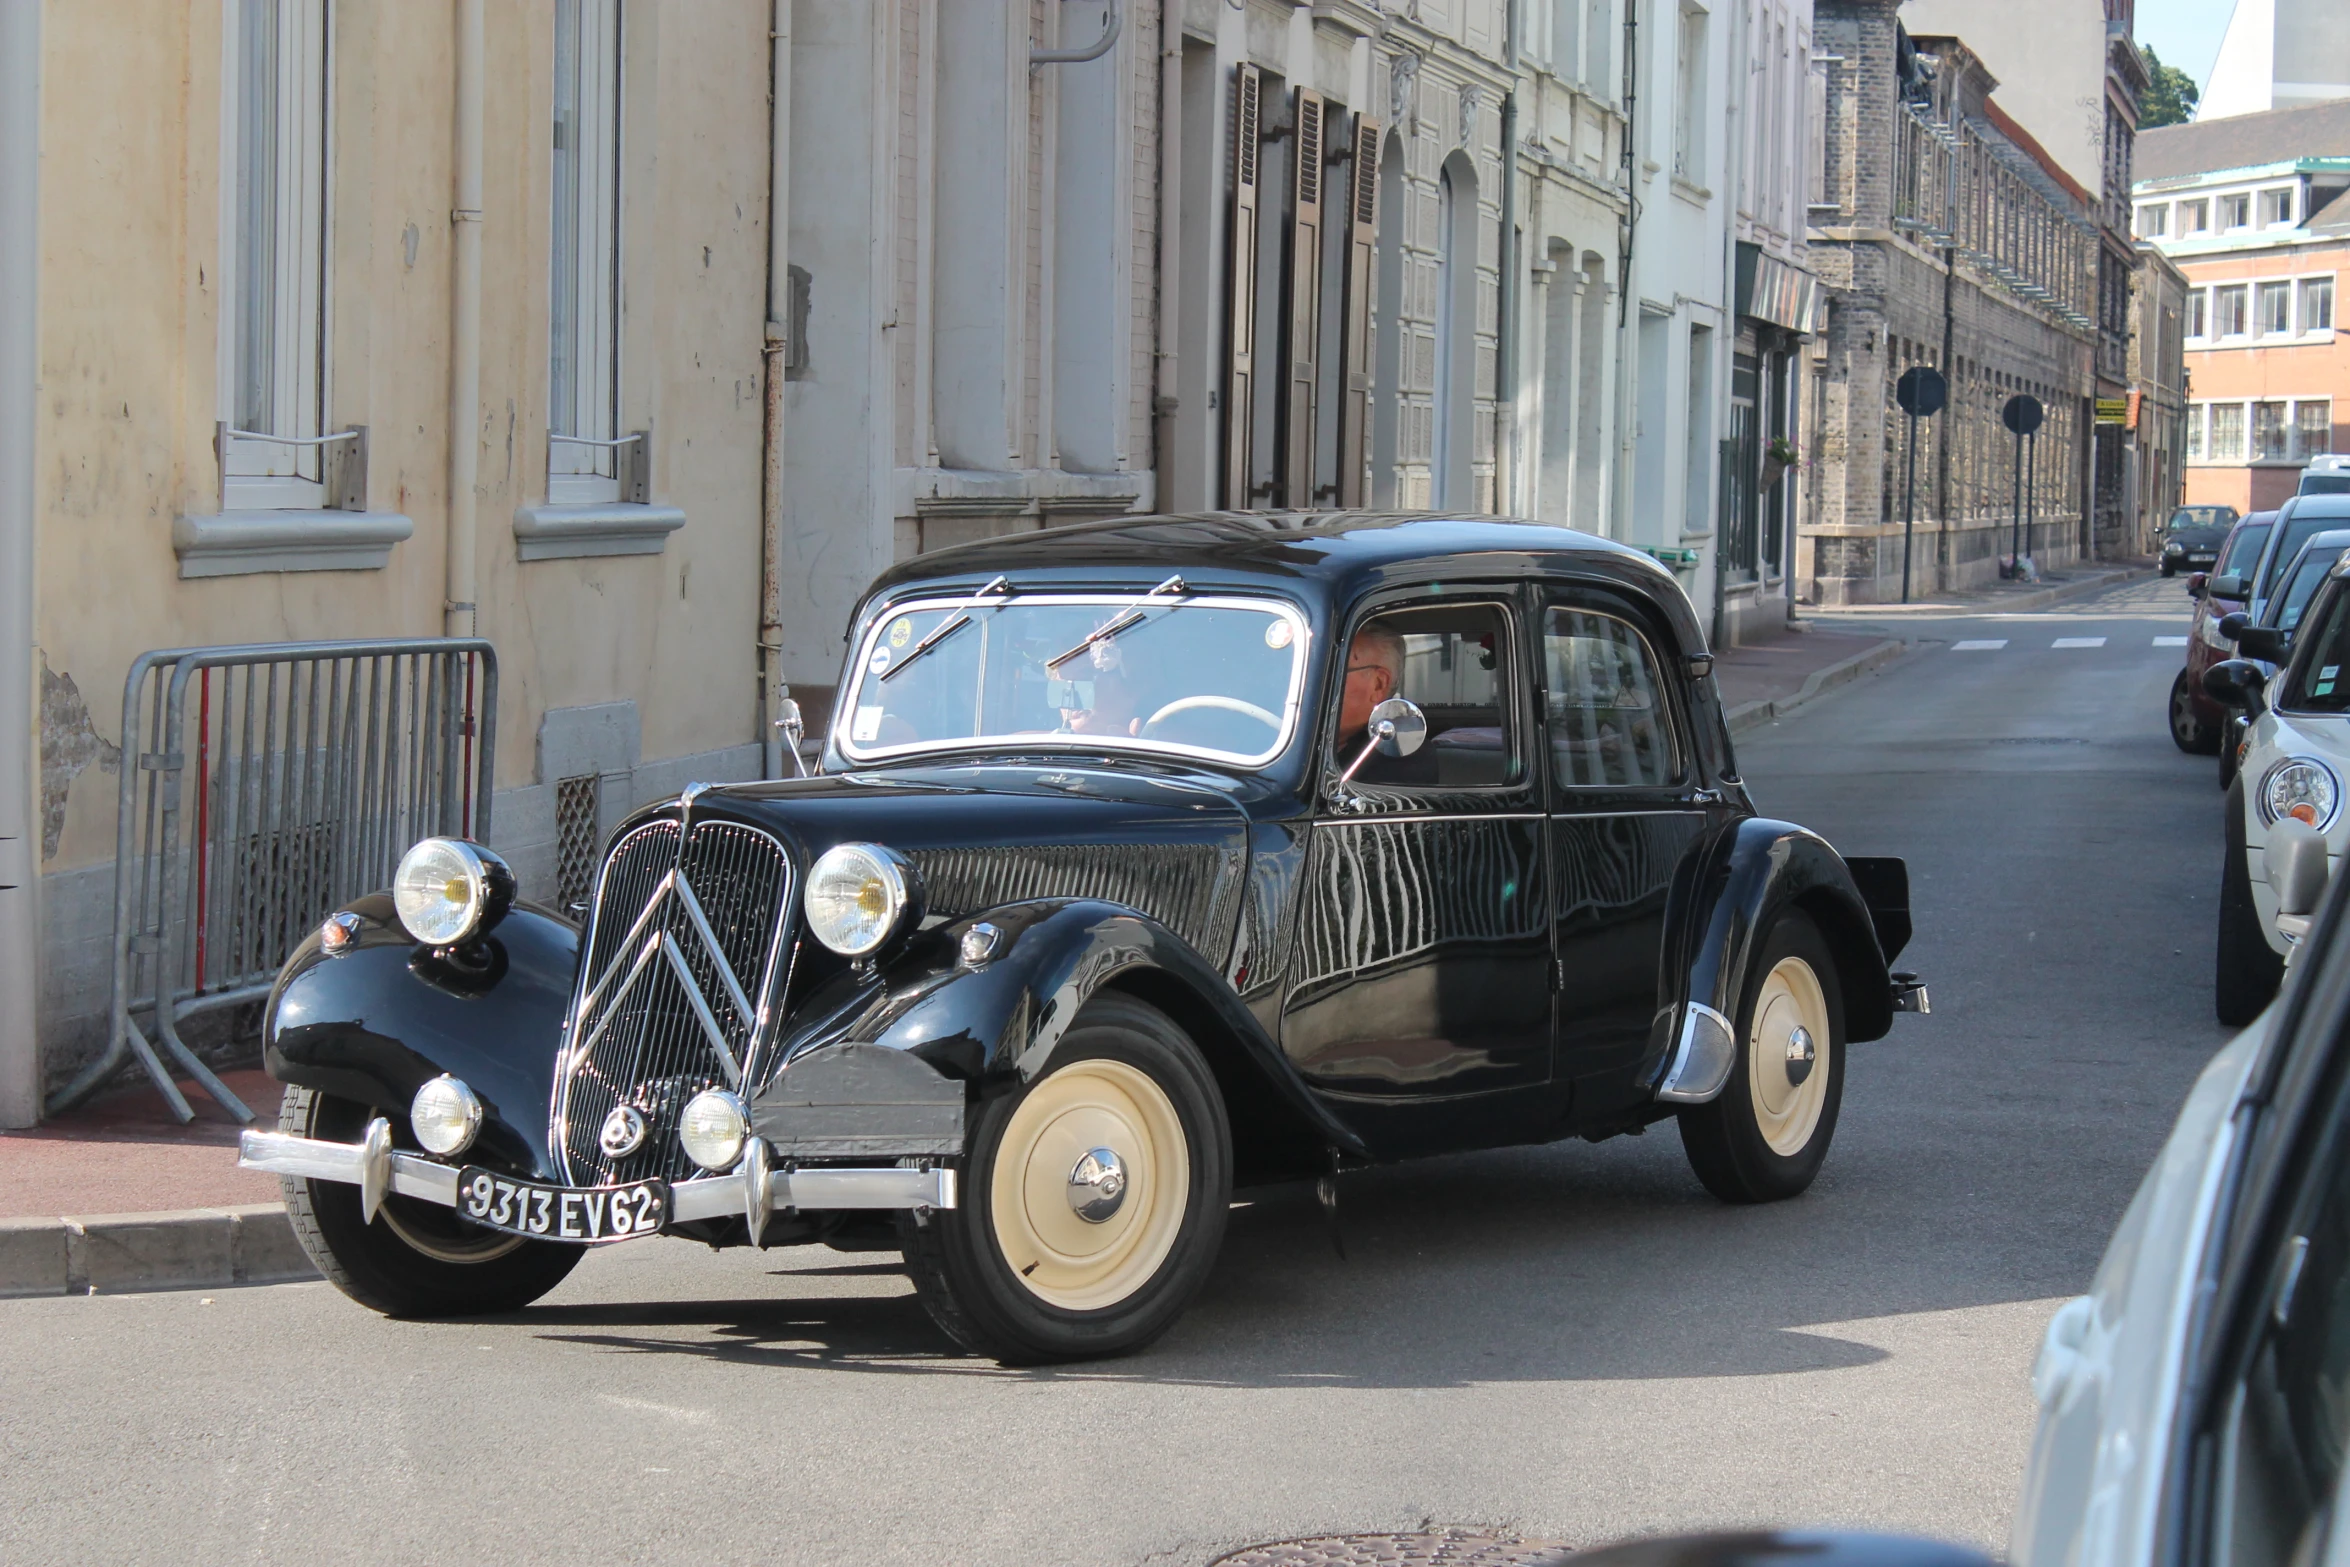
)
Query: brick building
[{"x": 1947, "y": 236}]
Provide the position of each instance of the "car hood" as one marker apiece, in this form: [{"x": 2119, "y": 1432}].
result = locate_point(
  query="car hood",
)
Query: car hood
[{"x": 2109, "y": 1369}]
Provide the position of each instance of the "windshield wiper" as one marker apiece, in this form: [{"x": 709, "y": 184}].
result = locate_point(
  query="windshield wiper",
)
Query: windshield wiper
[
  {"x": 1120, "y": 621},
  {"x": 947, "y": 627}
]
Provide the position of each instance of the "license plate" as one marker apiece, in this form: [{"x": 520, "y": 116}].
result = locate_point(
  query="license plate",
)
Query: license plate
[{"x": 590, "y": 1215}]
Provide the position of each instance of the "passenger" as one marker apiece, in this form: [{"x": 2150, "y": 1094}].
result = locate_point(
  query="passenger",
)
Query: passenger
[{"x": 1117, "y": 705}]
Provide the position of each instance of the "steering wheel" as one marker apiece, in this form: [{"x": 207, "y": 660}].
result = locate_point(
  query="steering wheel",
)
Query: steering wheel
[{"x": 1227, "y": 704}]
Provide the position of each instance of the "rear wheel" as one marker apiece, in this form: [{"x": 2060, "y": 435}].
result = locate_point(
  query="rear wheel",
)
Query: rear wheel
[
  {"x": 2188, "y": 731},
  {"x": 1766, "y": 1134},
  {"x": 2249, "y": 970},
  {"x": 417, "y": 1259},
  {"x": 1093, "y": 1199},
  {"x": 2167, "y": 568}
]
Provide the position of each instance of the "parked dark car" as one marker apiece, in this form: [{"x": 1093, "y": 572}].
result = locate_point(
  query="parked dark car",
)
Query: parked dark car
[
  {"x": 2191, "y": 539},
  {"x": 1144, "y": 859},
  {"x": 2196, "y": 721}
]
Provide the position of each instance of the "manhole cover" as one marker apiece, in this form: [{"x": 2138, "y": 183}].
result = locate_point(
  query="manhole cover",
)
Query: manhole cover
[{"x": 1450, "y": 1547}]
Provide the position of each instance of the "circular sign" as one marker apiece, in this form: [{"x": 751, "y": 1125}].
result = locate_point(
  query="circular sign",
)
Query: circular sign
[
  {"x": 1921, "y": 391},
  {"x": 2022, "y": 414}
]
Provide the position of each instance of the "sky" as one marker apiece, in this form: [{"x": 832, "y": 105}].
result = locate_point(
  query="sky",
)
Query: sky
[{"x": 2185, "y": 33}]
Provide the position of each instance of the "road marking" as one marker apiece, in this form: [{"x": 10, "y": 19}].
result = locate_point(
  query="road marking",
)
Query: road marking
[
  {"x": 2170, "y": 641},
  {"x": 2078, "y": 642},
  {"x": 1991, "y": 645}
]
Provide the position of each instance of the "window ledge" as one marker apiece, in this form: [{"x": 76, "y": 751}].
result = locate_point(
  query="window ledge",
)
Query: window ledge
[
  {"x": 243, "y": 543},
  {"x": 600, "y": 528}
]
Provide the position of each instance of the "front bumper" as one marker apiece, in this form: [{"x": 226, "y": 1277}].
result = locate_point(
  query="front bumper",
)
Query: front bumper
[{"x": 753, "y": 1189}]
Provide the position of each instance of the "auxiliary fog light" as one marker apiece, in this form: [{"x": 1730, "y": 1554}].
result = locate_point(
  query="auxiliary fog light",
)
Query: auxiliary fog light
[
  {"x": 713, "y": 1129},
  {"x": 446, "y": 1115}
]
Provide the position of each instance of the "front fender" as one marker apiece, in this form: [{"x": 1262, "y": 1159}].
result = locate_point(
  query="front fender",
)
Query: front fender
[
  {"x": 377, "y": 1021},
  {"x": 1723, "y": 900},
  {"x": 994, "y": 1026}
]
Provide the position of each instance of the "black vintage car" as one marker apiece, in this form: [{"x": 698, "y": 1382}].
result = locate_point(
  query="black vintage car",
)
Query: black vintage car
[{"x": 1144, "y": 859}]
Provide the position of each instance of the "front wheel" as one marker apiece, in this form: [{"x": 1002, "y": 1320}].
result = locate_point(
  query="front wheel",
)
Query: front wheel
[
  {"x": 2249, "y": 971},
  {"x": 2188, "y": 731},
  {"x": 417, "y": 1259},
  {"x": 1093, "y": 1199},
  {"x": 2167, "y": 568},
  {"x": 1766, "y": 1134}
]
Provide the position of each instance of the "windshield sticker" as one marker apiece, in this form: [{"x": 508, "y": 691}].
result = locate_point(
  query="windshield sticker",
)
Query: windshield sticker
[
  {"x": 901, "y": 632},
  {"x": 880, "y": 660},
  {"x": 866, "y": 726},
  {"x": 1278, "y": 633}
]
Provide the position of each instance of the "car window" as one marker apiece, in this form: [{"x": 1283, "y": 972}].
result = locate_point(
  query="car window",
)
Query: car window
[
  {"x": 2245, "y": 551},
  {"x": 2285, "y": 610},
  {"x": 1607, "y": 706},
  {"x": 2325, "y": 484},
  {"x": 2320, "y": 681},
  {"x": 2291, "y": 534},
  {"x": 1453, "y": 660}
]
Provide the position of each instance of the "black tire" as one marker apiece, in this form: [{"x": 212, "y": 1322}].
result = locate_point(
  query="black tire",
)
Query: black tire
[
  {"x": 2188, "y": 731},
  {"x": 418, "y": 1259},
  {"x": 2166, "y": 568},
  {"x": 2231, "y": 734},
  {"x": 1725, "y": 1140},
  {"x": 2249, "y": 971},
  {"x": 985, "y": 1300}
]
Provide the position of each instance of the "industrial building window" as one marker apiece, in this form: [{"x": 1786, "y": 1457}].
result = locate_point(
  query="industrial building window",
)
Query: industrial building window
[
  {"x": 273, "y": 262},
  {"x": 2235, "y": 212},
  {"x": 2270, "y": 439},
  {"x": 2154, "y": 220},
  {"x": 2227, "y": 432},
  {"x": 2194, "y": 217},
  {"x": 2276, "y": 309},
  {"x": 583, "y": 295},
  {"x": 2198, "y": 312},
  {"x": 2234, "y": 308},
  {"x": 2276, "y": 208},
  {"x": 2196, "y": 416},
  {"x": 2313, "y": 426},
  {"x": 2317, "y": 304}
]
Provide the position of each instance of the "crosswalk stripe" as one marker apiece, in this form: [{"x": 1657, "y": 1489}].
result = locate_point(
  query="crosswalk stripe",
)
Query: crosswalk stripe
[
  {"x": 2078, "y": 642},
  {"x": 2170, "y": 641},
  {"x": 1990, "y": 645}
]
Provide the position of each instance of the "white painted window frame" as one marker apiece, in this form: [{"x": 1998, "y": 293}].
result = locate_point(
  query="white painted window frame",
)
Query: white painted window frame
[
  {"x": 272, "y": 327},
  {"x": 2201, "y": 424},
  {"x": 584, "y": 454}
]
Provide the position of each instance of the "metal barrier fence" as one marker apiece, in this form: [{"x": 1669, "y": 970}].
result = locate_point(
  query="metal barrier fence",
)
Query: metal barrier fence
[{"x": 262, "y": 786}]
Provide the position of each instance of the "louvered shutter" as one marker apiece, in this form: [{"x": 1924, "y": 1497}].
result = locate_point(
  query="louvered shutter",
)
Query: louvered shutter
[
  {"x": 1240, "y": 276},
  {"x": 1362, "y": 251},
  {"x": 1304, "y": 313}
]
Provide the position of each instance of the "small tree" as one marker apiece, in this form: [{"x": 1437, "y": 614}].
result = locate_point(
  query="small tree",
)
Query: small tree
[{"x": 2169, "y": 97}]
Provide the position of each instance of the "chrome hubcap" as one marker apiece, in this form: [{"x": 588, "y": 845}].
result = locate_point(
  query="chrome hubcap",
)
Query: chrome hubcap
[
  {"x": 1801, "y": 1053},
  {"x": 1097, "y": 1185}
]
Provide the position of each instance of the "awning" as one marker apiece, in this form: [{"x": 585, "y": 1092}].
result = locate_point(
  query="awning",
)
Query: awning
[{"x": 1775, "y": 291}]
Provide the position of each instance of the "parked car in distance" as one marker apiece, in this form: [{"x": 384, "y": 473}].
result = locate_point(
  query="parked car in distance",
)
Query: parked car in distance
[
  {"x": 2191, "y": 1404},
  {"x": 2191, "y": 539},
  {"x": 2295, "y": 756},
  {"x": 1144, "y": 858},
  {"x": 2196, "y": 721},
  {"x": 2298, "y": 519},
  {"x": 2328, "y": 475}
]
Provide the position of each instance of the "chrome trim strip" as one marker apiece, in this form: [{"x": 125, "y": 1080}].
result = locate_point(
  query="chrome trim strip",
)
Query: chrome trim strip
[
  {"x": 644, "y": 956},
  {"x": 643, "y": 918},
  {"x": 717, "y": 954},
  {"x": 695, "y": 999},
  {"x": 412, "y": 1175},
  {"x": 1429, "y": 816},
  {"x": 1702, "y": 1058}
]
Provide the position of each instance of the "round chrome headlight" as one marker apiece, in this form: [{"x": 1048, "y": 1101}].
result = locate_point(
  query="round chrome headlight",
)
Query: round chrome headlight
[
  {"x": 859, "y": 896},
  {"x": 446, "y": 1115},
  {"x": 2301, "y": 789},
  {"x": 713, "y": 1129},
  {"x": 447, "y": 890}
]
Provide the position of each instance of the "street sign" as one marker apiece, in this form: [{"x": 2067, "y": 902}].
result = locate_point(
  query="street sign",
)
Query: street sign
[
  {"x": 2113, "y": 410},
  {"x": 1921, "y": 391},
  {"x": 2022, "y": 414}
]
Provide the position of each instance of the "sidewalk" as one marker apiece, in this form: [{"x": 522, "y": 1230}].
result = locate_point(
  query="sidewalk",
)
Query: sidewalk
[
  {"x": 1772, "y": 676},
  {"x": 119, "y": 1196}
]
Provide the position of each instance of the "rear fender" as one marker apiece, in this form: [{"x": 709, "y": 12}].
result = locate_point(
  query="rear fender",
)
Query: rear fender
[
  {"x": 994, "y": 1025},
  {"x": 1723, "y": 900},
  {"x": 378, "y": 1020}
]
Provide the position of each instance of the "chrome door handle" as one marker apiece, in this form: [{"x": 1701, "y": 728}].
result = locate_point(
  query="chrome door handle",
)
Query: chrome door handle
[{"x": 1706, "y": 797}]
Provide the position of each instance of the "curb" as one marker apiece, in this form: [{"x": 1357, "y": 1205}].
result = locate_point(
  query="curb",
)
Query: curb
[
  {"x": 1752, "y": 715},
  {"x": 122, "y": 1253},
  {"x": 2077, "y": 588}
]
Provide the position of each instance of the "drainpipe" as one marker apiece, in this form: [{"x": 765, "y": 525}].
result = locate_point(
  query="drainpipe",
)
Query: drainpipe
[
  {"x": 20, "y": 315},
  {"x": 1163, "y": 402},
  {"x": 772, "y": 689},
  {"x": 1092, "y": 51},
  {"x": 459, "y": 618}
]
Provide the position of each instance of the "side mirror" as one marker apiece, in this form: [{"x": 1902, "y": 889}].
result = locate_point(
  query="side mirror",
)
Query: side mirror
[
  {"x": 1397, "y": 728},
  {"x": 2236, "y": 683},
  {"x": 2226, "y": 585},
  {"x": 795, "y": 729},
  {"x": 2195, "y": 584},
  {"x": 2297, "y": 868},
  {"x": 2262, "y": 642}
]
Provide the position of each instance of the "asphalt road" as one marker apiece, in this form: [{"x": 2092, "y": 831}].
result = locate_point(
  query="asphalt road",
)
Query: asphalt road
[{"x": 1573, "y": 1341}]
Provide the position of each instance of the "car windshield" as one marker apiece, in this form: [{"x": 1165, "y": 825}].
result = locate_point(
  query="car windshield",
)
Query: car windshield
[
  {"x": 1213, "y": 677},
  {"x": 2325, "y": 484},
  {"x": 2244, "y": 553},
  {"x": 2292, "y": 533},
  {"x": 2200, "y": 519},
  {"x": 2284, "y": 611},
  {"x": 2321, "y": 678}
]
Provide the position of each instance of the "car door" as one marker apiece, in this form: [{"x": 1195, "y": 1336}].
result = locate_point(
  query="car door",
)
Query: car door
[
  {"x": 1419, "y": 992},
  {"x": 1625, "y": 804}
]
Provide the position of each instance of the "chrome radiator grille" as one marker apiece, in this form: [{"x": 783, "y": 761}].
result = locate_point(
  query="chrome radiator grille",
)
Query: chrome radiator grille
[{"x": 683, "y": 958}]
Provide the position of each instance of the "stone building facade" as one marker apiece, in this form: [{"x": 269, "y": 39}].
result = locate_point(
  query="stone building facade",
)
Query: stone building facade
[
  {"x": 2155, "y": 427},
  {"x": 1947, "y": 237}
]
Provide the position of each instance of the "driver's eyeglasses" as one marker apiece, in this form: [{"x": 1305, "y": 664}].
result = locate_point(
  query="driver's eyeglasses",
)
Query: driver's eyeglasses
[{"x": 1356, "y": 669}]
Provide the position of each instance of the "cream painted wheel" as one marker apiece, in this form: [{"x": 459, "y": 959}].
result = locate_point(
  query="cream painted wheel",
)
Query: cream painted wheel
[
  {"x": 1787, "y": 1056},
  {"x": 1062, "y": 1257}
]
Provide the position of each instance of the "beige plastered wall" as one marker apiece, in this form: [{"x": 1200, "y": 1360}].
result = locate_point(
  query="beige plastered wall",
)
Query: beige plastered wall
[{"x": 131, "y": 233}]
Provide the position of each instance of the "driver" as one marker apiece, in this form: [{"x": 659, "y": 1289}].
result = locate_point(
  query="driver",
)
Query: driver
[
  {"x": 1117, "y": 705},
  {"x": 1374, "y": 672}
]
